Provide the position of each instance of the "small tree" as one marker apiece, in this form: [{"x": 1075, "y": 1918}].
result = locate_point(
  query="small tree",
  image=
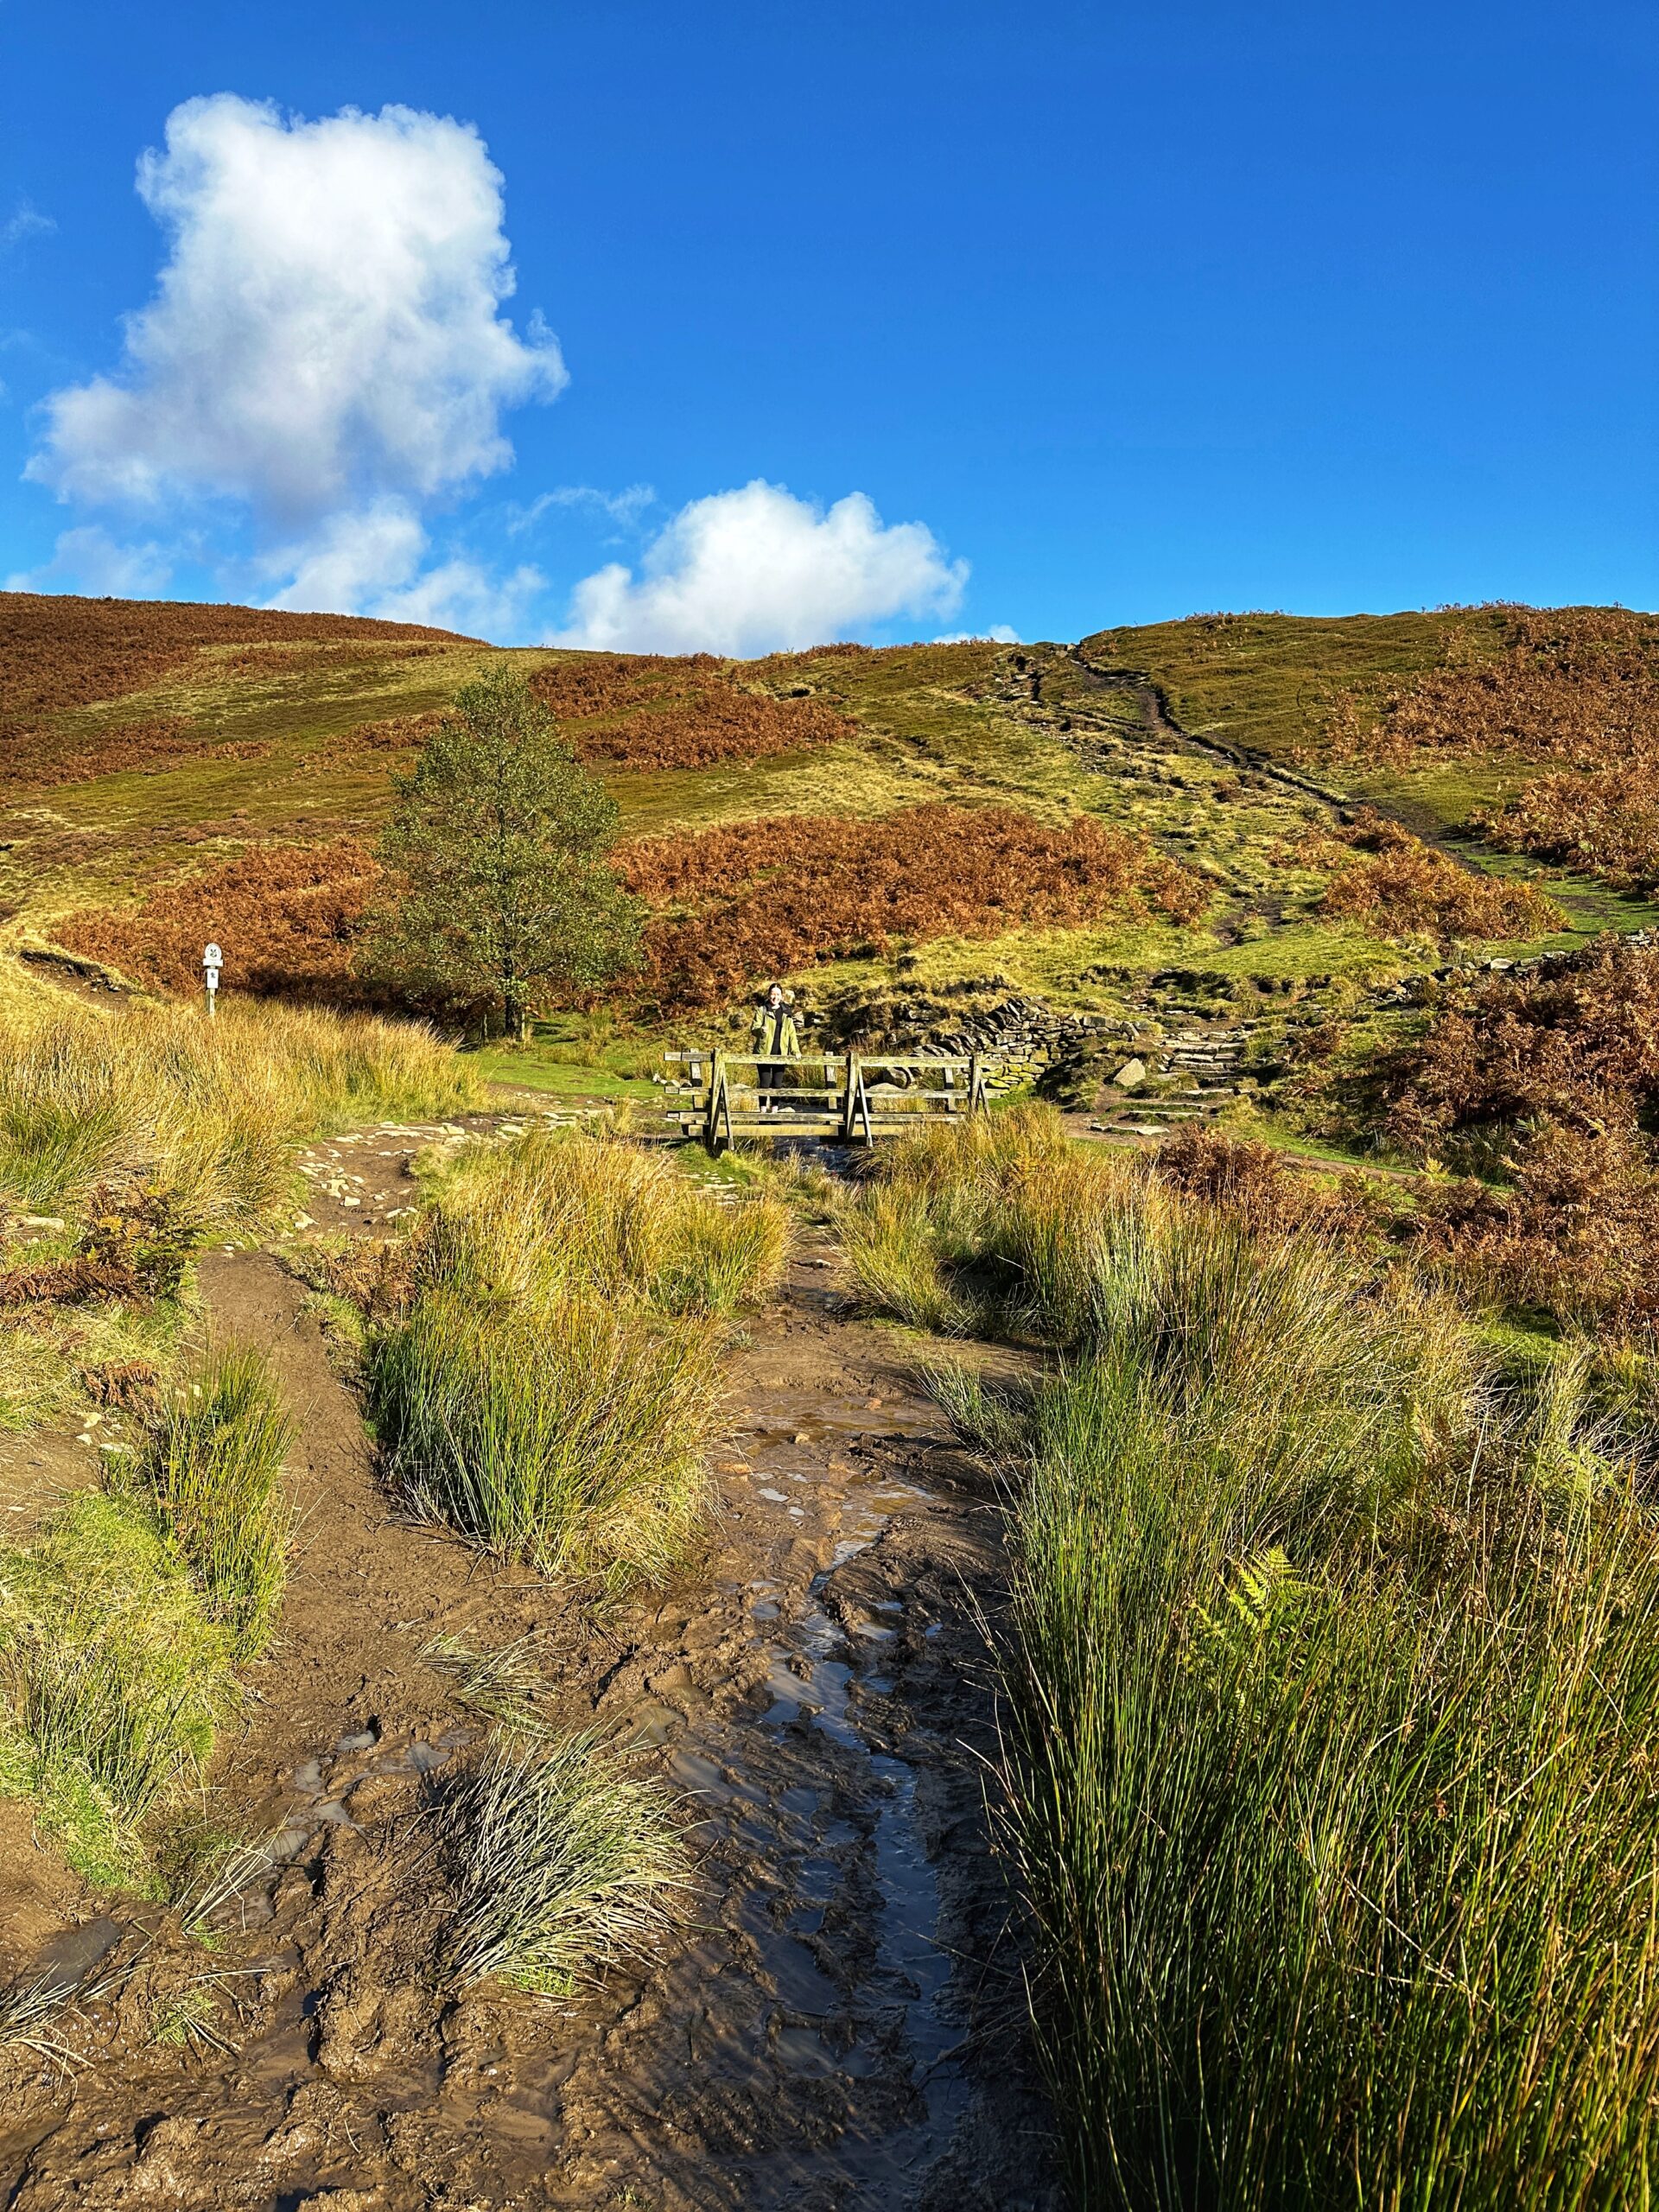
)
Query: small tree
[{"x": 496, "y": 848}]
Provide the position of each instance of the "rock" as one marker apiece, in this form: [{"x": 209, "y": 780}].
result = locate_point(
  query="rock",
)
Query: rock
[{"x": 1131, "y": 1075}]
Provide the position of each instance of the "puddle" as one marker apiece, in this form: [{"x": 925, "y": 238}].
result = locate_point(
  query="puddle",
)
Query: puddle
[
  {"x": 72, "y": 1957},
  {"x": 910, "y": 1954},
  {"x": 898, "y": 2009}
]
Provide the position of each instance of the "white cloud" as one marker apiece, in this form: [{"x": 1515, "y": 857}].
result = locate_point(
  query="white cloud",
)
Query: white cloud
[
  {"x": 756, "y": 569},
  {"x": 325, "y": 346},
  {"x": 370, "y": 560},
  {"x": 998, "y": 634},
  {"x": 461, "y": 594},
  {"x": 89, "y": 560},
  {"x": 624, "y": 507},
  {"x": 349, "y": 556},
  {"x": 25, "y": 222}
]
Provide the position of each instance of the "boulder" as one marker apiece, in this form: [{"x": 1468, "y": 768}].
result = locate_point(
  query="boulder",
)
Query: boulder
[{"x": 1131, "y": 1075}]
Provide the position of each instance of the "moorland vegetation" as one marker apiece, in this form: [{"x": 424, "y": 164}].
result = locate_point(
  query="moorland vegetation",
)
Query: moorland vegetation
[
  {"x": 236, "y": 789},
  {"x": 549, "y": 1383},
  {"x": 1331, "y": 1708}
]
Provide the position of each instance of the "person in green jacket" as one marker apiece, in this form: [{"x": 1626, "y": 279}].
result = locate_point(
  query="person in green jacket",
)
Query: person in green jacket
[{"x": 778, "y": 1041}]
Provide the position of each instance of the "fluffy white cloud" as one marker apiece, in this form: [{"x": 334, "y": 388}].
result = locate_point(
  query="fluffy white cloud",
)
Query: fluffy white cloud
[
  {"x": 90, "y": 560},
  {"x": 998, "y": 634},
  {"x": 370, "y": 561},
  {"x": 325, "y": 345},
  {"x": 756, "y": 570},
  {"x": 348, "y": 558}
]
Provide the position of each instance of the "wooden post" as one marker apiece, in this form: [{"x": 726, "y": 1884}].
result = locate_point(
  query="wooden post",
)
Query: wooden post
[
  {"x": 854, "y": 1084},
  {"x": 719, "y": 1104},
  {"x": 978, "y": 1102},
  {"x": 858, "y": 1101}
]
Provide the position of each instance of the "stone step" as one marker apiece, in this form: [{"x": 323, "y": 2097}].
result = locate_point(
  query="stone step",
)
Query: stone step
[{"x": 1161, "y": 1110}]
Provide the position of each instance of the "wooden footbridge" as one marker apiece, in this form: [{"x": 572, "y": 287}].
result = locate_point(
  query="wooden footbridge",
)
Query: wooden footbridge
[{"x": 844, "y": 1096}]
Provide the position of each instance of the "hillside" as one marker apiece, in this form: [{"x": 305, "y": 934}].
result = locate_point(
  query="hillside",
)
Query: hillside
[
  {"x": 462, "y": 1551},
  {"x": 920, "y": 820}
]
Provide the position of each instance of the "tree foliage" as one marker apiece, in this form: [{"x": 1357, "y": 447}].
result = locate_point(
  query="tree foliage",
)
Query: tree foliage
[{"x": 496, "y": 851}]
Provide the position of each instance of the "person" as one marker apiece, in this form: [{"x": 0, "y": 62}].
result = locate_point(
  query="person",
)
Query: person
[{"x": 777, "y": 1039}]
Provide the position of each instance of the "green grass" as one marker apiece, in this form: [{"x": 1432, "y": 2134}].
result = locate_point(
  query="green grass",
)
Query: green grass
[
  {"x": 181, "y": 1130},
  {"x": 121, "y": 1621},
  {"x": 209, "y": 1472},
  {"x": 527, "y": 1070},
  {"x": 560, "y": 1866},
  {"x": 570, "y": 1435},
  {"x": 1333, "y": 1841},
  {"x": 187, "y": 2019},
  {"x": 1260, "y": 680},
  {"x": 214, "y": 1113},
  {"x": 897, "y": 1249},
  {"x": 115, "y": 1681},
  {"x": 552, "y": 1389},
  {"x": 1331, "y": 1708}
]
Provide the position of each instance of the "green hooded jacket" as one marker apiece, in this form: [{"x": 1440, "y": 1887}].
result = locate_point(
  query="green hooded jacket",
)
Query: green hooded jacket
[{"x": 774, "y": 1033}]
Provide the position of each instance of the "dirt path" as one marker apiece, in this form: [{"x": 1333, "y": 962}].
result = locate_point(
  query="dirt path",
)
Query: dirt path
[{"x": 840, "y": 2025}]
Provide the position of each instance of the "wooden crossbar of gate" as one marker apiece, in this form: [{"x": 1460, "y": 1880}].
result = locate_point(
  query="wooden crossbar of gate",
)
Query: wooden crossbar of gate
[{"x": 851, "y": 1096}]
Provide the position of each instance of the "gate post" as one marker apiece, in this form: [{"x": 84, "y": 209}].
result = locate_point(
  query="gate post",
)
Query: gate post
[
  {"x": 855, "y": 1093},
  {"x": 719, "y": 1104}
]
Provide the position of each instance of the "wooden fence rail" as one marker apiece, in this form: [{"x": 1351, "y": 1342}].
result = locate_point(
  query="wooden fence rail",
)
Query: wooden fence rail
[{"x": 842, "y": 1095}]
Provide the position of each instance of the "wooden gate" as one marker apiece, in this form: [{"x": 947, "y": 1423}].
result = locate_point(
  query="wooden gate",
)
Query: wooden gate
[{"x": 840, "y": 1095}]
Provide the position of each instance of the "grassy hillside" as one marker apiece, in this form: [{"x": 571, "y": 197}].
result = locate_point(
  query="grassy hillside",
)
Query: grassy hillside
[
  {"x": 1441, "y": 715},
  {"x": 173, "y": 774}
]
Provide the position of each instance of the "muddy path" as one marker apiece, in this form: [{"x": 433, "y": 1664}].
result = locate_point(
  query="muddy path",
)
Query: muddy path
[{"x": 839, "y": 2023}]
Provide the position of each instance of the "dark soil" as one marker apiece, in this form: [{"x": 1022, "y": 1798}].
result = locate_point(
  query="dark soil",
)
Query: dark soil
[{"x": 838, "y": 2024}]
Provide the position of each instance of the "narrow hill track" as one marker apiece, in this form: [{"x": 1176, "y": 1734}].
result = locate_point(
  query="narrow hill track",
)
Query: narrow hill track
[{"x": 841, "y": 2025}]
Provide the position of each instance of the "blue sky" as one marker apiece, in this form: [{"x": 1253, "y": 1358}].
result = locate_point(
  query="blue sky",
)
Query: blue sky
[{"x": 878, "y": 319}]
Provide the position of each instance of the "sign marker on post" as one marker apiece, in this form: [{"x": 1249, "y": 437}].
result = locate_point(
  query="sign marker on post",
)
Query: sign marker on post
[{"x": 212, "y": 961}]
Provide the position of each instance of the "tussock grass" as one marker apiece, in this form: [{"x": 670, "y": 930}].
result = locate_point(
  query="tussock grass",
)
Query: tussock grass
[
  {"x": 896, "y": 1251},
  {"x": 211, "y": 1111},
  {"x": 122, "y": 1622},
  {"x": 503, "y": 1683},
  {"x": 188, "y": 2019},
  {"x": 569, "y": 1433},
  {"x": 1333, "y": 1685},
  {"x": 168, "y": 1129},
  {"x": 209, "y": 1472},
  {"x": 114, "y": 1680},
  {"x": 552, "y": 1389},
  {"x": 1005, "y": 1195},
  {"x": 560, "y": 1866},
  {"x": 558, "y": 1208}
]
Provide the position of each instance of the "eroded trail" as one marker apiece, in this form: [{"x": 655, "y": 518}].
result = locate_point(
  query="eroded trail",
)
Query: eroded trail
[{"x": 839, "y": 2026}]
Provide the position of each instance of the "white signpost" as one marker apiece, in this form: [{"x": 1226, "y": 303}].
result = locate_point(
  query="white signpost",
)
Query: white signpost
[{"x": 212, "y": 961}]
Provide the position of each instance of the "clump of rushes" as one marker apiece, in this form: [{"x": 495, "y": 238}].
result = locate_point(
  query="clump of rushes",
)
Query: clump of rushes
[
  {"x": 114, "y": 1680},
  {"x": 1005, "y": 1197},
  {"x": 558, "y": 1207},
  {"x": 569, "y": 1433},
  {"x": 552, "y": 1387},
  {"x": 897, "y": 1255},
  {"x": 1334, "y": 1695},
  {"x": 560, "y": 1866},
  {"x": 209, "y": 1471}
]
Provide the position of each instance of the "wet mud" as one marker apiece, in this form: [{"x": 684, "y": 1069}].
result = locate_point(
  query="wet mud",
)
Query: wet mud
[{"x": 839, "y": 2022}]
